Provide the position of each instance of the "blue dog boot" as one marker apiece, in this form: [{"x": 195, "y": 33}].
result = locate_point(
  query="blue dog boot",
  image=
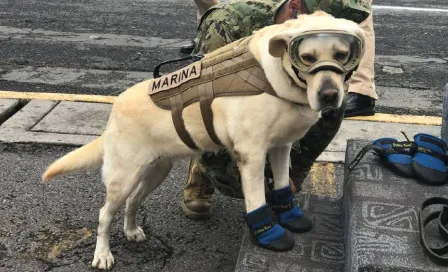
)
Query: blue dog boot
[
  {"x": 430, "y": 159},
  {"x": 288, "y": 214},
  {"x": 265, "y": 233},
  {"x": 396, "y": 155}
]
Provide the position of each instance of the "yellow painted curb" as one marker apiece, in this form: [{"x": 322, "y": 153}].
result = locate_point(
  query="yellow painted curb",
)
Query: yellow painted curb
[
  {"x": 57, "y": 96},
  {"x": 379, "y": 117},
  {"x": 403, "y": 119}
]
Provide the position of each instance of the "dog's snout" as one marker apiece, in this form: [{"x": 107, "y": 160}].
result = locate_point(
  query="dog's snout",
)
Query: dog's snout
[
  {"x": 328, "y": 92},
  {"x": 328, "y": 95}
]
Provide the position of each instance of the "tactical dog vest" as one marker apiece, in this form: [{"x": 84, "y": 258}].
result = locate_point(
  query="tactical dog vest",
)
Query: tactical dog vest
[{"x": 234, "y": 72}]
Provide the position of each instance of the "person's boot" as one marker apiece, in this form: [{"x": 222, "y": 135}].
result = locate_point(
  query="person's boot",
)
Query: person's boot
[
  {"x": 197, "y": 197},
  {"x": 359, "y": 105},
  {"x": 188, "y": 48},
  {"x": 289, "y": 215},
  {"x": 265, "y": 233}
]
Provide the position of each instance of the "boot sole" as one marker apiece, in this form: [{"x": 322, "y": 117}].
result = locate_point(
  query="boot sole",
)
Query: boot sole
[
  {"x": 369, "y": 112},
  {"x": 288, "y": 237},
  {"x": 194, "y": 215},
  {"x": 186, "y": 51}
]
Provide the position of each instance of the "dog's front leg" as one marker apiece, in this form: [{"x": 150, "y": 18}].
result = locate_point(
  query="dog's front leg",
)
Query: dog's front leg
[
  {"x": 251, "y": 165},
  {"x": 279, "y": 159},
  {"x": 265, "y": 233},
  {"x": 289, "y": 215}
]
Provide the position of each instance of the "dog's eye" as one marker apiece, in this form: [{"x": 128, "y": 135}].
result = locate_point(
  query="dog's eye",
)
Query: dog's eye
[
  {"x": 340, "y": 56},
  {"x": 307, "y": 58}
]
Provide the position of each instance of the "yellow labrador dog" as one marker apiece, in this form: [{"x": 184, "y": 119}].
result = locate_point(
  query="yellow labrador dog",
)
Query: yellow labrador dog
[{"x": 307, "y": 62}]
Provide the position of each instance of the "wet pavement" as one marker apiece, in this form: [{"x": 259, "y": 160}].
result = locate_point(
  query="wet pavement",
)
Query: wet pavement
[{"x": 52, "y": 226}]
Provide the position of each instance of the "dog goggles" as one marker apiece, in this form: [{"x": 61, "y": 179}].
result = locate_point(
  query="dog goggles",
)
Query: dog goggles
[{"x": 340, "y": 62}]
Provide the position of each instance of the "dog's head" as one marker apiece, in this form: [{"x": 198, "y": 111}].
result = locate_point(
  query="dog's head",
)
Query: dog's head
[{"x": 319, "y": 53}]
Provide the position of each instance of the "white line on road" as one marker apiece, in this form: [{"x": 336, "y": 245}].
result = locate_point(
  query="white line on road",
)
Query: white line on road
[{"x": 410, "y": 9}]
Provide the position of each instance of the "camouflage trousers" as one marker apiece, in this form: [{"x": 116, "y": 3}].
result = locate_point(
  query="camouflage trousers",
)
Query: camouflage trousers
[{"x": 221, "y": 171}]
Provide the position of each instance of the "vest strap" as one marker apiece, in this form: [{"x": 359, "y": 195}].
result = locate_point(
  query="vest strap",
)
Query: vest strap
[
  {"x": 206, "y": 96},
  {"x": 176, "y": 113}
]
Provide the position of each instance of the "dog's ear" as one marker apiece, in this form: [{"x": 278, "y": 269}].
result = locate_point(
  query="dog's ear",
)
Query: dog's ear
[{"x": 278, "y": 44}]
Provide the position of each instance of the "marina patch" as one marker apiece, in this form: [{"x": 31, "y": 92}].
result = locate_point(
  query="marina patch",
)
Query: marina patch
[{"x": 175, "y": 79}]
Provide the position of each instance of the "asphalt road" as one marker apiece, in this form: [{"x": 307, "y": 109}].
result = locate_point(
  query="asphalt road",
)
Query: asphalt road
[
  {"x": 52, "y": 226},
  {"x": 102, "y": 47}
]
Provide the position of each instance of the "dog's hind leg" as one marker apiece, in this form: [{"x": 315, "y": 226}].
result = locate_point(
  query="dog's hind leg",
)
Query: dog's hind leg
[
  {"x": 156, "y": 174},
  {"x": 121, "y": 177}
]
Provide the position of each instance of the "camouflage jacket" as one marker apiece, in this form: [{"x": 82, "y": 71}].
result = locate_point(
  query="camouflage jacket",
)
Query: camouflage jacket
[
  {"x": 235, "y": 19},
  {"x": 227, "y": 22}
]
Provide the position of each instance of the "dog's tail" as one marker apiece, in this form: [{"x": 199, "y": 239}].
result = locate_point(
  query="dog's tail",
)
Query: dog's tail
[{"x": 86, "y": 157}]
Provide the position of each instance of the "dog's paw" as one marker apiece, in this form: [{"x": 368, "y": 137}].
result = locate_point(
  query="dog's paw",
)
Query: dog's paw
[
  {"x": 103, "y": 260},
  {"x": 135, "y": 235}
]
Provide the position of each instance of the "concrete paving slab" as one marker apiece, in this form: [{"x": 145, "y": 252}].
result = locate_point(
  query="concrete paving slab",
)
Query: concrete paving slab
[
  {"x": 332, "y": 156},
  {"x": 7, "y": 108},
  {"x": 321, "y": 249},
  {"x": 18, "y": 128},
  {"x": 381, "y": 210},
  {"x": 75, "y": 118}
]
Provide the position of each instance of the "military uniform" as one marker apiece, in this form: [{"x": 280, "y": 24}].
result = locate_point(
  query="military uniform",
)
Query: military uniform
[
  {"x": 228, "y": 22},
  {"x": 202, "y": 6},
  {"x": 221, "y": 25}
]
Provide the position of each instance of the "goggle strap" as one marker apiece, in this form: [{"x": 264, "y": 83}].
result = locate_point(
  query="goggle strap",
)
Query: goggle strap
[{"x": 327, "y": 68}]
